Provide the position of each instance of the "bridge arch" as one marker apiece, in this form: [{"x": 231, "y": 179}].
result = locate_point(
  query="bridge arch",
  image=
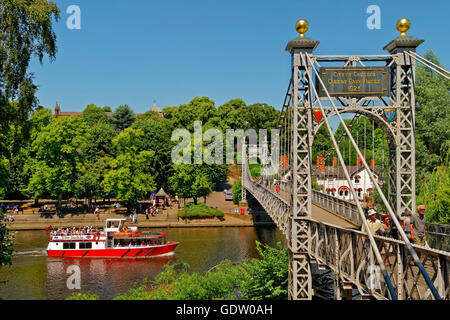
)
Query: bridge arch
[{"x": 373, "y": 113}]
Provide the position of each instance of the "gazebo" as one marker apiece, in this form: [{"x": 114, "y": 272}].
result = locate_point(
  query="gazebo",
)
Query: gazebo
[{"x": 161, "y": 196}]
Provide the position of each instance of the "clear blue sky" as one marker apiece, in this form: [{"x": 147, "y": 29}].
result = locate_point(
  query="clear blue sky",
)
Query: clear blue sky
[{"x": 137, "y": 51}]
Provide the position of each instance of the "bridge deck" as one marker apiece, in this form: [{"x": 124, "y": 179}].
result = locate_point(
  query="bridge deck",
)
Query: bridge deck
[
  {"x": 318, "y": 213},
  {"x": 322, "y": 215}
]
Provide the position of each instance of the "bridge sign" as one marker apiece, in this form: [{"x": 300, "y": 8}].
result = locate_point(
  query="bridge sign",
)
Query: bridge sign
[{"x": 354, "y": 81}]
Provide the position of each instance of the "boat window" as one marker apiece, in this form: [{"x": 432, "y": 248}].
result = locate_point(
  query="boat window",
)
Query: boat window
[
  {"x": 85, "y": 245},
  {"x": 69, "y": 245}
]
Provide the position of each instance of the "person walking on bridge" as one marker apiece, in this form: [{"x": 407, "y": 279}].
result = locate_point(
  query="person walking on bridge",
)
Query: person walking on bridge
[
  {"x": 374, "y": 224},
  {"x": 418, "y": 226}
]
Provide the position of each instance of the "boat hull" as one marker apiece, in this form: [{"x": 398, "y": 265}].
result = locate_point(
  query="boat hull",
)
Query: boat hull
[{"x": 122, "y": 253}]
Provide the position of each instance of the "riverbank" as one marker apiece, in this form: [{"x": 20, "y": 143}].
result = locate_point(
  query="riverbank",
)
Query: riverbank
[{"x": 166, "y": 219}]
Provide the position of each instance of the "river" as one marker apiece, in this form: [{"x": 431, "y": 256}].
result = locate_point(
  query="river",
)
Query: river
[{"x": 33, "y": 275}]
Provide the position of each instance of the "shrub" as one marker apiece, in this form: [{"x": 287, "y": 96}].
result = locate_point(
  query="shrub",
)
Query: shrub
[
  {"x": 255, "y": 170},
  {"x": 254, "y": 279},
  {"x": 83, "y": 296},
  {"x": 237, "y": 191},
  {"x": 200, "y": 210}
]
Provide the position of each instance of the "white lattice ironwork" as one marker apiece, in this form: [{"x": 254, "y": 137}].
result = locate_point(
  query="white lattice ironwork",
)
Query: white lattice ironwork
[{"x": 347, "y": 252}]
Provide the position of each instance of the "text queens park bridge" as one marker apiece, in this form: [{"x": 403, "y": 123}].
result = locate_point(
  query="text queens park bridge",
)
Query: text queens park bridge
[{"x": 368, "y": 85}]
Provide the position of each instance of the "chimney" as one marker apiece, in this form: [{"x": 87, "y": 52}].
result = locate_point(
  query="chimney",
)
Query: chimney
[
  {"x": 322, "y": 163},
  {"x": 358, "y": 161},
  {"x": 335, "y": 162},
  {"x": 318, "y": 161},
  {"x": 372, "y": 163}
]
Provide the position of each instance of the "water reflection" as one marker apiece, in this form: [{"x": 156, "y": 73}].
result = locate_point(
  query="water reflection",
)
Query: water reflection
[{"x": 33, "y": 275}]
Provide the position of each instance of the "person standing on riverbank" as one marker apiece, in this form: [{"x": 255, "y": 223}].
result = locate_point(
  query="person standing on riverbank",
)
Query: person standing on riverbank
[{"x": 97, "y": 213}]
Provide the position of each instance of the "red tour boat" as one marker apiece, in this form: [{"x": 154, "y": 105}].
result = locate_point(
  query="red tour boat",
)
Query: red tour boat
[{"x": 115, "y": 241}]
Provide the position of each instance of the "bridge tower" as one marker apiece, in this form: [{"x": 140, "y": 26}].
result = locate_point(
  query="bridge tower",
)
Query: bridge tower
[
  {"x": 402, "y": 155},
  {"x": 300, "y": 281}
]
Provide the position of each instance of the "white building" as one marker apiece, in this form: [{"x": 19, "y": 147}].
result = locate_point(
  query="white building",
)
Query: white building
[{"x": 333, "y": 181}]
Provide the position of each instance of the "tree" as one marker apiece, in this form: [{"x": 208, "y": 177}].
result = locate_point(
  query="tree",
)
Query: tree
[
  {"x": 150, "y": 115},
  {"x": 190, "y": 181},
  {"x": 99, "y": 143},
  {"x": 90, "y": 182},
  {"x": 123, "y": 117},
  {"x": 237, "y": 191},
  {"x": 260, "y": 116},
  {"x": 93, "y": 114},
  {"x": 198, "y": 109},
  {"x": 434, "y": 193},
  {"x": 157, "y": 138},
  {"x": 130, "y": 178},
  {"x": 432, "y": 111},
  {"x": 6, "y": 243},
  {"x": 59, "y": 153},
  {"x": 25, "y": 31}
]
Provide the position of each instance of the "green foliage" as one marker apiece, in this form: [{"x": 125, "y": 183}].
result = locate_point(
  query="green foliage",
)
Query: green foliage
[
  {"x": 58, "y": 149},
  {"x": 199, "y": 210},
  {"x": 83, "y": 296},
  {"x": 90, "y": 182},
  {"x": 93, "y": 114},
  {"x": 266, "y": 278},
  {"x": 237, "y": 191},
  {"x": 130, "y": 176},
  {"x": 435, "y": 195},
  {"x": 255, "y": 279},
  {"x": 26, "y": 31},
  {"x": 255, "y": 169},
  {"x": 150, "y": 115},
  {"x": 432, "y": 118},
  {"x": 123, "y": 117},
  {"x": 175, "y": 283},
  {"x": 6, "y": 243},
  {"x": 157, "y": 138},
  {"x": 192, "y": 180}
]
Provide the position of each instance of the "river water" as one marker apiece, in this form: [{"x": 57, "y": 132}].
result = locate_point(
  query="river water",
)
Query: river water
[{"x": 33, "y": 275}]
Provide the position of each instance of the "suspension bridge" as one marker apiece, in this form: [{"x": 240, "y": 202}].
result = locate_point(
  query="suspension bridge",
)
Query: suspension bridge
[{"x": 323, "y": 229}]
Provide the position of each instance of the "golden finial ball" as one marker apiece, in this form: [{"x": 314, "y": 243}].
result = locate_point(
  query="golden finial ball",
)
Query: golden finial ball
[
  {"x": 302, "y": 26},
  {"x": 403, "y": 25}
]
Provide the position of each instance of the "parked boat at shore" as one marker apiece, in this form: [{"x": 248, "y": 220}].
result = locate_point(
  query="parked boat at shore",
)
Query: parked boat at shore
[{"x": 114, "y": 241}]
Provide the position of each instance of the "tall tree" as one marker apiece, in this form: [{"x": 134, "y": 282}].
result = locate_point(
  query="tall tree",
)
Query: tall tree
[
  {"x": 93, "y": 114},
  {"x": 59, "y": 150},
  {"x": 25, "y": 30},
  {"x": 123, "y": 117},
  {"x": 432, "y": 118},
  {"x": 130, "y": 177},
  {"x": 157, "y": 138}
]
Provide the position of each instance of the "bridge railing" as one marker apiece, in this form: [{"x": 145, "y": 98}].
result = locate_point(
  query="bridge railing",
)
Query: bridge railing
[
  {"x": 347, "y": 253},
  {"x": 344, "y": 208},
  {"x": 438, "y": 236}
]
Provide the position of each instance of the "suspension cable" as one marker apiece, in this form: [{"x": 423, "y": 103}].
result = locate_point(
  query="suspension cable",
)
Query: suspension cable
[
  {"x": 388, "y": 207},
  {"x": 352, "y": 189},
  {"x": 427, "y": 64}
]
